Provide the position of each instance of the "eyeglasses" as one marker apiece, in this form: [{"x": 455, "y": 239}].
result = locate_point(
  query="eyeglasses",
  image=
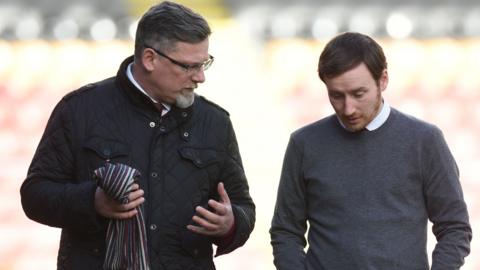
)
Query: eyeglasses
[{"x": 186, "y": 67}]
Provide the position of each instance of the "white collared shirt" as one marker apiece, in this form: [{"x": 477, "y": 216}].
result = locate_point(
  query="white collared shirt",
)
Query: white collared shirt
[
  {"x": 378, "y": 121},
  {"x": 381, "y": 117},
  {"x": 132, "y": 79}
]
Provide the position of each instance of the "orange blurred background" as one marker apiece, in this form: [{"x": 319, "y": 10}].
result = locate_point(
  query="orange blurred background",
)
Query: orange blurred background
[{"x": 270, "y": 87}]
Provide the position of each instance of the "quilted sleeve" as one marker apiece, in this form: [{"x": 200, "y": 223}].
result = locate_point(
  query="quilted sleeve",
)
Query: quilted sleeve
[
  {"x": 236, "y": 185},
  {"x": 50, "y": 194}
]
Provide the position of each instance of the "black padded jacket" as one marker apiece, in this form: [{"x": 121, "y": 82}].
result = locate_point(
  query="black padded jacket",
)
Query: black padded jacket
[{"x": 182, "y": 156}]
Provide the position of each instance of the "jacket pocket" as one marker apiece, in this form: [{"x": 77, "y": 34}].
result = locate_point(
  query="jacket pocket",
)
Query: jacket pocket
[
  {"x": 201, "y": 157},
  {"x": 97, "y": 151},
  {"x": 106, "y": 149},
  {"x": 200, "y": 172}
]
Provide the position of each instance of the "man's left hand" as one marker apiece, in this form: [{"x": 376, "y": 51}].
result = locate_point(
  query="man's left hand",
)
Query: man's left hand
[{"x": 217, "y": 222}]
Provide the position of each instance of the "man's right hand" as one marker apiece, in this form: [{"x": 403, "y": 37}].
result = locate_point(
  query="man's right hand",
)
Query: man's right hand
[{"x": 110, "y": 208}]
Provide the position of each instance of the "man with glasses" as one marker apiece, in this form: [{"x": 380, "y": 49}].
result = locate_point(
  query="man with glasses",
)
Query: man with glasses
[{"x": 137, "y": 170}]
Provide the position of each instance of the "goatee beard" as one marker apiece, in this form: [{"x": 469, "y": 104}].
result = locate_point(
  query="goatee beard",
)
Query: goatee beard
[{"x": 185, "y": 99}]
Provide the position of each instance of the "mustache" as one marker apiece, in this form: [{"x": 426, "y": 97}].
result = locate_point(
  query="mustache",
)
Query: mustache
[{"x": 190, "y": 88}]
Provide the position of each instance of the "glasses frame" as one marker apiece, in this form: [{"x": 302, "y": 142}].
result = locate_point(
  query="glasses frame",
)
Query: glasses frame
[{"x": 186, "y": 67}]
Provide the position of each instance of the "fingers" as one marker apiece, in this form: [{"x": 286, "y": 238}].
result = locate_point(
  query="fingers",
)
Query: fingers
[
  {"x": 135, "y": 198},
  {"x": 131, "y": 204},
  {"x": 220, "y": 209},
  {"x": 202, "y": 230},
  {"x": 223, "y": 193},
  {"x": 111, "y": 208},
  {"x": 217, "y": 222},
  {"x": 208, "y": 224},
  {"x": 211, "y": 224},
  {"x": 206, "y": 214},
  {"x": 134, "y": 195}
]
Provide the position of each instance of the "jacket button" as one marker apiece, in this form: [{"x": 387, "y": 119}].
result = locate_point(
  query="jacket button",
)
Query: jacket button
[
  {"x": 107, "y": 152},
  {"x": 153, "y": 227},
  {"x": 152, "y": 124},
  {"x": 162, "y": 129},
  {"x": 184, "y": 114},
  {"x": 154, "y": 174},
  {"x": 185, "y": 134}
]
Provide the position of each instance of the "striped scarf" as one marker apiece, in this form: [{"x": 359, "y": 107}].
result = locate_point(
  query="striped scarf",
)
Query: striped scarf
[{"x": 126, "y": 239}]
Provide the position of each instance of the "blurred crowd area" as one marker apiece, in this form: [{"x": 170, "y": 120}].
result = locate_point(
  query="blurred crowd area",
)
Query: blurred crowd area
[{"x": 264, "y": 77}]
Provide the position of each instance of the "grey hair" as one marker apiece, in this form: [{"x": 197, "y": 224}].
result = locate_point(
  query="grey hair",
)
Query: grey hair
[{"x": 165, "y": 24}]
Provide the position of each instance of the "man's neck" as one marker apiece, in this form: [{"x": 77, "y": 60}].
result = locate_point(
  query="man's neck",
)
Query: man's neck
[{"x": 135, "y": 77}]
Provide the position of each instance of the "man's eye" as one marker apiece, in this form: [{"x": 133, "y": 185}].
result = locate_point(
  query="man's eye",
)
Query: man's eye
[
  {"x": 196, "y": 66},
  {"x": 335, "y": 96},
  {"x": 359, "y": 94}
]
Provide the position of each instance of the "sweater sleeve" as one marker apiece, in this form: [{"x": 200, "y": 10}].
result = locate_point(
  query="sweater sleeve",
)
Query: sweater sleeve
[
  {"x": 289, "y": 223},
  {"x": 445, "y": 205},
  {"x": 50, "y": 194}
]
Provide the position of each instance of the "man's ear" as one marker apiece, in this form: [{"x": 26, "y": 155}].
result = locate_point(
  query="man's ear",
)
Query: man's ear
[
  {"x": 148, "y": 59},
  {"x": 383, "y": 82}
]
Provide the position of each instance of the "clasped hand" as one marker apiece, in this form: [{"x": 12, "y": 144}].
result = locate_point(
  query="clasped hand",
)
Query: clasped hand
[{"x": 111, "y": 208}]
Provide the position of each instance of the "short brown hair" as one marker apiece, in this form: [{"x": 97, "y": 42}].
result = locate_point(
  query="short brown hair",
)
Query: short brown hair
[{"x": 347, "y": 51}]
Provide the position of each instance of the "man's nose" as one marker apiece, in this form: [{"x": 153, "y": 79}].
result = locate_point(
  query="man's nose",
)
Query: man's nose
[
  {"x": 199, "y": 76},
  {"x": 349, "y": 106}
]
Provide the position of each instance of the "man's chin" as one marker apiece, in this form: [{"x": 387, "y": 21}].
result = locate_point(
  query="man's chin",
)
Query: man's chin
[
  {"x": 355, "y": 127},
  {"x": 185, "y": 100}
]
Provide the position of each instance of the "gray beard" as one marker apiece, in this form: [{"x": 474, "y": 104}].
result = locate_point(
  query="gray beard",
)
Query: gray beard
[{"x": 185, "y": 100}]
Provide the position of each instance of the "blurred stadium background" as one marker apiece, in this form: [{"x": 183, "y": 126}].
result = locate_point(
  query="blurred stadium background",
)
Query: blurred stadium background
[{"x": 264, "y": 74}]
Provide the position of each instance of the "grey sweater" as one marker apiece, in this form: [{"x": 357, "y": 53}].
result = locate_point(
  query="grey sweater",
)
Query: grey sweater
[{"x": 367, "y": 198}]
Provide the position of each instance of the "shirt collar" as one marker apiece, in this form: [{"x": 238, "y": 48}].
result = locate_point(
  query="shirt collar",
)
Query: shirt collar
[
  {"x": 379, "y": 120},
  {"x": 381, "y": 117},
  {"x": 140, "y": 88}
]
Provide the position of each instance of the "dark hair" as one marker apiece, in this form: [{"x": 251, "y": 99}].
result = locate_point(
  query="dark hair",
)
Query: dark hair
[
  {"x": 165, "y": 24},
  {"x": 347, "y": 51}
]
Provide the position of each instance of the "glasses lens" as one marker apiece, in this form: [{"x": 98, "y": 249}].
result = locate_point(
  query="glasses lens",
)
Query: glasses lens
[{"x": 208, "y": 63}]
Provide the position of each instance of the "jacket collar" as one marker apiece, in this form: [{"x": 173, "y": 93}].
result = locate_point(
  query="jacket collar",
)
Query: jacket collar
[{"x": 175, "y": 117}]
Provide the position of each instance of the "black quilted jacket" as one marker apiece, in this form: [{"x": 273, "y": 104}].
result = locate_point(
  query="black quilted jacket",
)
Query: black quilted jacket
[{"x": 181, "y": 157}]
